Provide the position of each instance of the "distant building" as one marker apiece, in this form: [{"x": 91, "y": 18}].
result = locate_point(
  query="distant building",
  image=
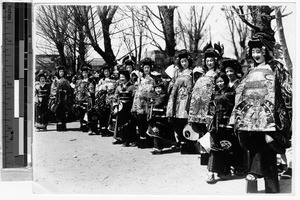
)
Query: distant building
[
  {"x": 157, "y": 56},
  {"x": 96, "y": 63}
]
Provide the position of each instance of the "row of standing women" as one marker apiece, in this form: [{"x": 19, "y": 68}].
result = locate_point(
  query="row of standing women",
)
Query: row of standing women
[{"x": 246, "y": 114}]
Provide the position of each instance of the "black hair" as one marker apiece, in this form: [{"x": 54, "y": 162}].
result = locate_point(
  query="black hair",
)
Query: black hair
[{"x": 222, "y": 76}]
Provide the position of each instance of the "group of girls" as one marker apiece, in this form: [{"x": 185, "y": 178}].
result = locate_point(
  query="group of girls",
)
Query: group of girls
[{"x": 246, "y": 115}]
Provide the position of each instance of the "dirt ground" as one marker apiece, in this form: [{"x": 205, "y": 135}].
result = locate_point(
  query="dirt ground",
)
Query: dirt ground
[{"x": 73, "y": 162}]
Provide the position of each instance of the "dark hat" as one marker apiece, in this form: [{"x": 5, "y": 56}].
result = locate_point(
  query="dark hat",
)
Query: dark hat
[
  {"x": 41, "y": 74},
  {"x": 211, "y": 52},
  {"x": 130, "y": 59},
  {"x": 125, "y": 73},
  {"x": 232, "y": 63},
  {"x": 147, "y": 61},
  {"x": 61, "y": 68},
  {"x": 159, "y": 84},
  {"x": 260, "y": 39},
  {"x": 85, "y": 68},
  {"x": 129, "y": 62},
  {"x": 106, "y": 66},
  {"x": 183, "y": 54}
]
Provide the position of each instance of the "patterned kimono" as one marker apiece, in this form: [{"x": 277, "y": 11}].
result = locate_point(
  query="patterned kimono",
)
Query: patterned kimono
[
  {"x": 263, "y": 110},
  {"x": 125, "y": 130},
  {"x": 42, "y": 93},
  {"x": 81, "y": 101},
  {"x": 263, "y": 101},
  {"x": 61, "y": 92},
  {"x": 178, "y": 99},
  {"x": 142, "y": 96},
  {"x": 201, "y": 96}
]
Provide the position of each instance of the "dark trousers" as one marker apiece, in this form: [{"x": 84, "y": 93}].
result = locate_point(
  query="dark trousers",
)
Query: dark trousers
[{"x": 263, "y": 160}]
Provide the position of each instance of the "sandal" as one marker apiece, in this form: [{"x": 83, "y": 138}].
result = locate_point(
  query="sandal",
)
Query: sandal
[
  {"x": 211, "y": 178},
  {"x": 251, "y": 177}
]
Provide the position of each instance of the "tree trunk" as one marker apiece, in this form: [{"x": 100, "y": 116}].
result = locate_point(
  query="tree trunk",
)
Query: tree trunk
[
  {"x": 168, "y": 27},
  {"x": 285, "y": 51}
]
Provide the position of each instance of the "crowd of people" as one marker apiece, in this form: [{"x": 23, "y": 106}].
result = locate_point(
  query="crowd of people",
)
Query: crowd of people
[{"x": 244, "y": 111}]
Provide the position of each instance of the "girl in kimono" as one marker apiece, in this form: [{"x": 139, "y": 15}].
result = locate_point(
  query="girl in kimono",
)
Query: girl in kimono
[
  {"x": 141, "y": 101},
  {"x": 42, "y": 92},
  {"x": 106, "y": 79},
  {"x": 232, "y": 69},
  {"x": 263, "y": 111},
  {"x": 178, "y": 98},
  {"x": 125, "y": 131},
  {"x": 225, "y": 147},
  {"x": 61, "y": 93}
]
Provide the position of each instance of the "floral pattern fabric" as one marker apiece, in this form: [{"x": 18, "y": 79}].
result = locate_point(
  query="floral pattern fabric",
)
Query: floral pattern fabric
[
  {"x": 178, "y": 98},
  {"x": 142, "y": 96},
  {"x": 201, "y": 97}
]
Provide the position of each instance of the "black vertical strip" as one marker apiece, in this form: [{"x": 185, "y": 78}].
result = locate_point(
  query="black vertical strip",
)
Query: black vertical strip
[
  {"x": 21, "y": 24},
  {"x": 17, "y": 41}
]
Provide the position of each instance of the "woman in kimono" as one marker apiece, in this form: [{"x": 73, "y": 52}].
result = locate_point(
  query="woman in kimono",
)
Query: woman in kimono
[
  {"x": 203, "y": 90},
  {"x": 61, "y": 93},
  {"x": 125, "y": 131},
  {"x": 263, "y": 111},
  {"x": 178, "y": 98},
  {"x": 81, "y": 97},
  {"x": 141, "y": 101},
  {"x": 233, "y": 70},
  {"x": 42, "y": 92}
]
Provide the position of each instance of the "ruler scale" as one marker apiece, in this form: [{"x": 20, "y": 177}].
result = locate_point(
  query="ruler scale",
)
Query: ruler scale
[{"x": 17, "y": 83}]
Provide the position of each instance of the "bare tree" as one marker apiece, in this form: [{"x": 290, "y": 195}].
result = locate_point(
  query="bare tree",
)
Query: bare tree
[
  {"x": 105, "y": 15},
  {"x": 165, "y": 32},
  {"x": 134, "y": 34},
  {"x": 237, "y": 27},
  {"x": 286, "y": 54},
  {"x": 52, "y": 24},
  {"x": 194, "y": 27}
]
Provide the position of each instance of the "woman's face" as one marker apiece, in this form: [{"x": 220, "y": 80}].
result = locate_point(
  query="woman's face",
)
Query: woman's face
[
  {"x": 91, "y": 88},
  {"x": 106, "y": 73},
  {"x": 123, "y": 79},
  {"x": 220, "y": 83},
  {"x": 129, "y": 68},
  {"x": 230, "y": 73},
  {"x": 42, "y": 79},
  {"x": 146, "y": 69},
  {"x": 61, "y": 73},
  {"x": 158, "y": 90},
  {"x": 184, "y": 62},
  {"x": 210, "y": 63},
  {"x": 258, "y": 55},
  {"x": 85, "y": 74}
]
